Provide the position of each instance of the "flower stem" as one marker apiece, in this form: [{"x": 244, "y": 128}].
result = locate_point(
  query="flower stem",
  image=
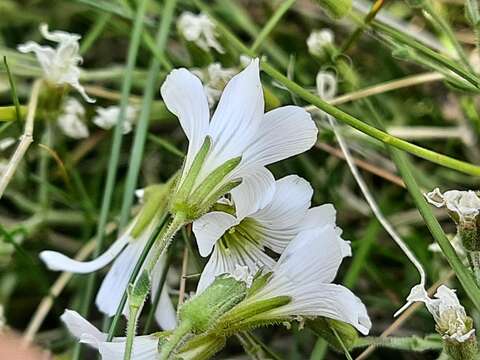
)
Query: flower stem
[
  {"x": 175, "y": 339},
  {"x": 474, "y": 260},
  {"x": 132, "y": 326}
]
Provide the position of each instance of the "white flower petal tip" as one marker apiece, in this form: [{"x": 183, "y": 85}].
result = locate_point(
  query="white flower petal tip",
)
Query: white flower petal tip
[
  {"x": 144, "y": 347},
  {"x": 60, "y": 65},
  {"x": 318, "y": 40},
  {"x": 242, "y": 273},
  {"x": 465, "y": 204},
  {"x": 200, "y": 30},
  {"x": 59, "y": 262},
  {"x": 71, "y": 121}
]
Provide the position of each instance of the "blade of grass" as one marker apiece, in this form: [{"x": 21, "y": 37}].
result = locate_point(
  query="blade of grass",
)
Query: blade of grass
[
  {"x": 13, "y": 90},
  {"x": 96, "y": 30},
  {"x": 115, "y": 149}
]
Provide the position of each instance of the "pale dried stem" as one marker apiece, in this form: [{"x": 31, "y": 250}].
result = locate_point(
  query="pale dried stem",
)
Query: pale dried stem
[
  {"x": 183, "y": 278},
  {"x": 25, "y": 140}
]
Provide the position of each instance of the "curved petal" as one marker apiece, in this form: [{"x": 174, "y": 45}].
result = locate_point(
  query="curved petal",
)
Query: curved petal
[
  {"x": 81, "y": 328},
  {"x": 284, "y": 132},
  {"x": 319, "y": 216},
  {"x": 209, "y": 228},
  {"x": 59, "y": 262},
  {"x": 115, "y": 283},
  {"x": 165, "y": 313},
  {"x": 215, "y": 266},
  {"x": 254, "y": 192},
  {"x": 332, "y": 301},
  {"x": 44, "y": 54},
  {"x": 184, "y": 96},
  {"x": 238, "y": 114},
  {"x": 280, "y": 221}
]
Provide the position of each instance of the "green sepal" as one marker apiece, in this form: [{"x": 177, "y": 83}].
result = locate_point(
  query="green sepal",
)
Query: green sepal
[
  {"x": 216, "y": 195},
  {"x": 137, "y": 292},
  {"x": 323, "y": 327},
  {"x": 466, "y": 350},
  {"x": 250, "y": 314},
  {"x": 202, "y": 311},
  {"x": 259, "y": 281},
  {"x": 202, "y": 347},
  {"x": 155, "y": 199},
  {"x": 189, "y": 181},
  {"x": 336, "y": 8},
  {"x": 208, "y": 185}
]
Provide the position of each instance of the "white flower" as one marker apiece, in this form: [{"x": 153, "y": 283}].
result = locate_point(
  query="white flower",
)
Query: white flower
[
  {"x": 71, "y": 120},
  {"x": 5, "y": 143},
  {"x": 242, "y": 239},
  {"x": 466, "y": 204},
  {"x": 317, "y": 41},
  {"x": 107, "y": 118},
  {"x": 144, "y": 347},
  {"x": 449, "y": 315},
  {"x": 3, "y": 322},
  {"x": 239, "y": 128},
  {"x": 326, "y": 85},
  {"x": 200, "y": 30},
  {"x": 60, "y": 65},
  {"x": 304, "y": 273},
  {"x": 214, "y": 79},
  {"x": 126, "y": 251}
]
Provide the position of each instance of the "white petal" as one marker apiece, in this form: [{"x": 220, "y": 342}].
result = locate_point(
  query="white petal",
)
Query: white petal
[
  {"x": 209, "y": 228},
  {"x": 332, "y": 301},
  {"x": 215, "y": 266},
  {"x": 115, "y": 283},
  {"x": 81, "y": 328},
  {"x": 255, "y": 191},
  {"x": 44, "y": 54},
  {"x": 238, "y": 114},
  {"x": 58, "y": 35},
  {"x": 284, "y": 132},
  {"x": 59, "y": 262},
  {"x": 144, "y": 347},
  {"x": 184, "y": 96},
  {"x": 319, "y": 216},
  {"x": 165, "y": 313}
]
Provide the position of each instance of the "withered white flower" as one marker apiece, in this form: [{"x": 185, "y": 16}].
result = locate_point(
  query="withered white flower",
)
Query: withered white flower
[
  {"x": 317, "y": 41},
  {"x": 304, "y": 274},
  {"x": 451, "y": 320},
  {"x": 144, "y": 347},
  {"x": 242, "y": 239},
  {"x": 71, "y": 121},
  {"x": 465, "y": 204},
  {"x": 239, "y": 135},
  {"x": 60, "y": 65},
  {"x": 199, "y": 29},
  {"x": 5, "y": 143},
  {"x": 107, "y": 118},
  {"x": 125, "y": 252}
]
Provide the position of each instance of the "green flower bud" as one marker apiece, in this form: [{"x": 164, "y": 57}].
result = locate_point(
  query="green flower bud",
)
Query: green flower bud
[
  {"x": 469, "y": 234},
  {"x": 336, "y": 8},
  {"x": 324, "y": 327},
  {"x": 202, "y": 311}
]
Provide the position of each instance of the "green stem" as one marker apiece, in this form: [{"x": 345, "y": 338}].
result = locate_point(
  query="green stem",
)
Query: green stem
[
  {"x": 272, "y": 22},
  {"x": 178, "y": 335},
  {"x": 132, "y": 326},
  {"x": 117, "y": 142},
  {"x": 94, "y": 32},
  {"x": 343, "y": 116},
  {"x": 143, "y": 121},
  {"x": 447, "y": 30}
]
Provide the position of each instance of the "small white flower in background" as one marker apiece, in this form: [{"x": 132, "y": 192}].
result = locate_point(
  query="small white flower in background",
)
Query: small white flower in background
[
  {"x": 317, "y": 41},
  {"x": 452, "y": 322},
  {"x": 107, "y": 118},
  {"x": 60, "y": 65},
  {"x": 326, "y": 85},
  {"x": 125, "y": 252},
  {"x": 71, "y": 121},
  {"x": 144, "y": 347},
  {"x": 3, "y": 322},
  {"x": 242, "y": 239},
  {"x": 214, "y": 79},
  {"x": 465, "y": 204},
  {"x": 200, "y": 30},
  {"x": 304, "y": 273},
  {"x": 238, "y": 130},
  {"x": 5, "y": 143}
]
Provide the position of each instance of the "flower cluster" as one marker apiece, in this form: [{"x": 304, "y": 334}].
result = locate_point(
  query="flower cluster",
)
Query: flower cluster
[{"x": 267, "y": 245}]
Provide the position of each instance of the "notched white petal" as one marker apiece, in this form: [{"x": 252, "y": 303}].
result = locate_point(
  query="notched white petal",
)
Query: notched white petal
[{"x": 209, "y": 228}]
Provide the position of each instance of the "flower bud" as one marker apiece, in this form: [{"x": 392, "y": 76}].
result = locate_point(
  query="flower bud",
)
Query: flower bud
[
  {"x": 466, "y": 350},
  {"x": 202, "y": 311},
  {"x": 336, "y": 8}
]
